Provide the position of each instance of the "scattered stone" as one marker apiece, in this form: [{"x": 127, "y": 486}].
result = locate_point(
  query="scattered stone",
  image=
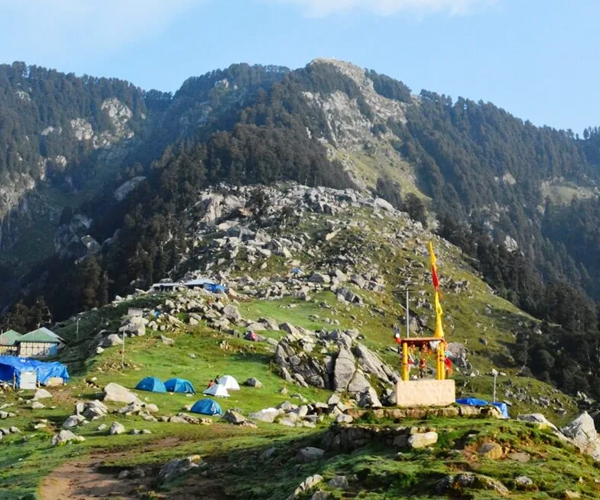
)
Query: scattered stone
[
  {"x": 523, "y": 483},
  {"x": 177, "y": 467},
  {"x": 116, "y": 428},
  {"x": 309, "y": 454},
  {"x": 234, "y": 417},
  {"x": 519, "y": 456},
  {"x": 339, "y": 482},
  {"x": 41, "y": 394},
  {"x": 73, "y": 421},
  {"x": 253, "y": 382},
  {"x": 36, "y": 405},
  {"x": 418, "y": 441},
  {"x": 64, "y": 437},
  {"x": 492, "y": 451}
]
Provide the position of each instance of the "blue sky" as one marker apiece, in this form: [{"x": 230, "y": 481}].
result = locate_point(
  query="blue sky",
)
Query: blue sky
[{"x": 535, "y": 58}]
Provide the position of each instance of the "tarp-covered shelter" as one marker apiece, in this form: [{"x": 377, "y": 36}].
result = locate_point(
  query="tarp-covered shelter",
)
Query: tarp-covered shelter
[
  {"x": 229, "y": 382},
  {"x": 217, "y": 390},
  {"x": 503, "y": 407},
  {"x": 207, "y": 407},
  {"x": 151, "y": 384},
  {"x": 11, "y": 368},
  {"x": 180, "y": 385}
]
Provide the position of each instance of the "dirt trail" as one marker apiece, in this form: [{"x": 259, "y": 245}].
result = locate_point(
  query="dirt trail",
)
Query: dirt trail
[{"x": 84, "y": 481}]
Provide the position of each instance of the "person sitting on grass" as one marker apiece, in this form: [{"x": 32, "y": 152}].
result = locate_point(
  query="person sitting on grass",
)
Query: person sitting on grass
[{"x": 210, "y": 383}]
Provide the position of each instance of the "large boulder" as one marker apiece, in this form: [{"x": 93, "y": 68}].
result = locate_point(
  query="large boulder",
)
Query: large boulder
[
  {"x": 232, "y": 313},
  {"x": 118, "y": 394},
  {"x": 234, "y": 417},
  {"x": 539, "y": 419},
  {"x": 177, "y": 467},
  {"x": 344, "y": 370},
  {"x": 583, "y": 433},
  {"x": 112, "y": 340}
]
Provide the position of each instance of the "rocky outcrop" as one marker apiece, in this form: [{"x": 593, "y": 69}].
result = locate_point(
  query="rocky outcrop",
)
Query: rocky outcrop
[{"x": 354, "y": 369}]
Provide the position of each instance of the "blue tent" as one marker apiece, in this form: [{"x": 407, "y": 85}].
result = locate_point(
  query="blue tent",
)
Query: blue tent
[
  {"x": 180, "y": 385},
  {"x": 11, "y": 366},
  {"x": 151, "y": 384},
  {"x": 503, "y": 407},
  {"x": 207, "y": 407}
]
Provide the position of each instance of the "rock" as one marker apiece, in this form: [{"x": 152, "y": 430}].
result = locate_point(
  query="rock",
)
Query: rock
[
  {"x": 112, "y": 340},
  {"x": 265, "y": 455},
  {"x": 64, "y": 437},
  {"x": 167, "y": 340},
  {"x": 177, "y": 467},
  {"x": 36, "y": 405},
  {"x": 333, "y": 400},
  {"x": 253, "y": 382},
  {"x": 369, "y": 399},
  {"x": 358, "y": 384},
  {"x": 344, "y": 369},
  {"x": 519, "y": 456},
  {"x": 102, "y": 427},
  {"x": 321, "y": 278},
  {"x": 582, "y": 431},
  {"x": 344, "y": 419},
  {"x": 14, "y": 430},
  {"x": 233, "y": 417},
  {"x": 320, "y": 495},
  {"x": 572, "y": 495},
  {"x": 41, "y": 394},
  {"x": 118, "y": 394},
  {"x": 492, "y": 451},
  {"x": 306, "y": 485},
  {"x": 358, "y": 280},
  {"x": 309, "y": 454},
  {"x": 178, "y": 420},
  {"x": 267, "y": 415},
  {"x": 116, "y": 428},
  {"x": 538, "y": 418},
  {"x": 383, "y": 205},
  {"x": 418, "y": 441},
  {"x": 287, "y": 422},
  {"x": 288, "y": 327},
  {"x": 232, "y": 313},
  {"x": 72, "y": 421},
  {"x": 523, "y": 483},
  {"x": 339, "y": 482}
]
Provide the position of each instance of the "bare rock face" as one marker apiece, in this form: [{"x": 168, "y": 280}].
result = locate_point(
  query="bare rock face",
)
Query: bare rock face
[{"x": 583, "y": 434}]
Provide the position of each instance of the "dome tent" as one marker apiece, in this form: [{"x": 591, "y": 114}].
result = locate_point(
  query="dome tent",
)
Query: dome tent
[
  {"x": 230, "y": 383},
  {"x": 151, "y": 384},
  {"x": 207, "y": 407},
  {"x": 217, "y": 390},
  {"x": 180, "y": 385}
]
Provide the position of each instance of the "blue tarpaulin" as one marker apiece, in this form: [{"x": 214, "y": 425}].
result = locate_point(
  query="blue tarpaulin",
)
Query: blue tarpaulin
[
  {"x": 13, "y": 365},
  {"x": 503, "y": 407},
  {"x": 180, "y": 385},
  {"x": 214, "y": 288}
]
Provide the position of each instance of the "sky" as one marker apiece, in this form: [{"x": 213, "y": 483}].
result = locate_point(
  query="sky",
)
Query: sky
[{"x": 535, "y": 58}]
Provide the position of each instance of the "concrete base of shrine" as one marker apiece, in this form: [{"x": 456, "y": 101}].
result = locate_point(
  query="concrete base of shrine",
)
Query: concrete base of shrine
[{"x": 425, "y": 393}]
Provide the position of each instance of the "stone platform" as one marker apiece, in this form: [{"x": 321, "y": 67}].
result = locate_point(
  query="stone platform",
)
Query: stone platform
[{"x": 425, "y": 393}]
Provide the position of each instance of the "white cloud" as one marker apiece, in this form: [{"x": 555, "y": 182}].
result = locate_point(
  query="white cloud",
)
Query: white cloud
[
  {"x": 80, "y": 26},
  {"x": 387, "y": 7}
]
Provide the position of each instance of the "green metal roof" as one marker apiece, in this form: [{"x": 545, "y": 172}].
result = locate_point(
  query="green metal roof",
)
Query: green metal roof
[
  {"x": 40, "y": 335},
  {"x": 9, "y": 337}
]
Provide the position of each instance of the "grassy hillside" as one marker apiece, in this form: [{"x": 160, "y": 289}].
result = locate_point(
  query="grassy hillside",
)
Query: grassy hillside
[{"x": 233, "y": 465}]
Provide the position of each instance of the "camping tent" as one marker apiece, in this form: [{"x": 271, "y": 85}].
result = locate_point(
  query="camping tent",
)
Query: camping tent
[
  {"x": 230, "y": 383},
  {"x": 207, "y": 407},
  {"x": 151, "y": 384},
  {"x": 180, "y": 385},
  {"x": 503, "y": 407},
  {"x": 11, "y": 366},
  {"x": 217, "y": 390}
]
